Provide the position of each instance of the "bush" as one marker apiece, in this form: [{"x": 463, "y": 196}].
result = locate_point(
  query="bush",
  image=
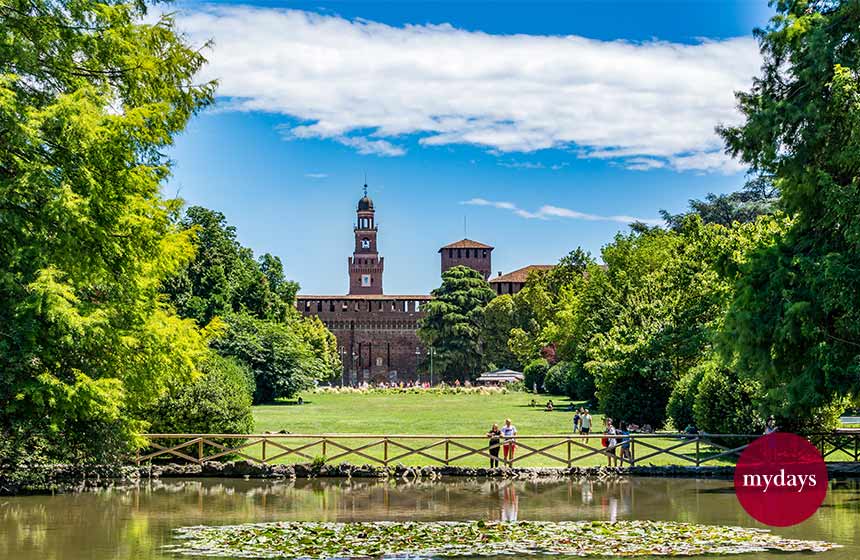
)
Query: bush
[
  {"x": 683, "y": 397},
  {"x": 219, "y": 402},
  {"x": 535, "y": 373},
  {"x": 557, "y": 381},
  {"x": 726, "y": 403},
  {"x": 636, "y": 389},
  {"x": 582, "y": 386}
]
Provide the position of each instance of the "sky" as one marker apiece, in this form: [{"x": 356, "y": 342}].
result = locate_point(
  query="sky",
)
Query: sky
[{"x": 535, "y": 127}]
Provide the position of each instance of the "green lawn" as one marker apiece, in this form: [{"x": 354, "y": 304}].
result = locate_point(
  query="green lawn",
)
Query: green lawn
[
  {"x": 430, "y": 414},
  {"x": 460, "y": 414}
]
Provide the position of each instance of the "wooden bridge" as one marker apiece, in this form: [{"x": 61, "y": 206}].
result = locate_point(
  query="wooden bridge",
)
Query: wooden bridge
[{"x": 470, "y": 450}]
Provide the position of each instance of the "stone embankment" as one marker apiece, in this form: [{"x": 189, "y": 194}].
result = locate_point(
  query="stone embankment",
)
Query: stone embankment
[{"x": 58, "y": 478}]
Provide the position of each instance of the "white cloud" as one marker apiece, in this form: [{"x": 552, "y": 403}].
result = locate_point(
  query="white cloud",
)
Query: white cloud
[
  {"x": 316, "y": 175},
  {"x": 532, "y": 165},
  {"x": 548, "y": 211},
  {"x": 366, "y": 85}
]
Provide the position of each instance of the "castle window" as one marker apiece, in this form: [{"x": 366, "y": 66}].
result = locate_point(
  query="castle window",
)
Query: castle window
[
  {"x": 378, "y": 361},
  {"x": 467, "y": 253},
  {"x": 365, "y": 243},
  {"x": 319, "y": 306},
  {"x": 484, "y": 254},
  {"x": 450, "y": 253},
  {"x": 331, "y": 306},
  {"x": 459, "y": 253},
  {"x": 417, "y": 306}
]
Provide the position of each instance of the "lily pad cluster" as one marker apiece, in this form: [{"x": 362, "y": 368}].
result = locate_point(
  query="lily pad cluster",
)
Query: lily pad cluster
[{"x": 480, "y": 538}]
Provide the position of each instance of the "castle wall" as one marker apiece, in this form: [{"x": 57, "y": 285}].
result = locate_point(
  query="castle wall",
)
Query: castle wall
[{"x": 376, "y": 335}]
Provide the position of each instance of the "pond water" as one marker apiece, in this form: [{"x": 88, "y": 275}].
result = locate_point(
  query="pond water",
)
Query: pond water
[{"x": 136, "y": 523}]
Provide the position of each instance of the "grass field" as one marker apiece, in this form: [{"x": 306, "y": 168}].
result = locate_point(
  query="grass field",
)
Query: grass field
[
  {"x": 458, "y": 414},
  {"x": 431, "y": 414}
]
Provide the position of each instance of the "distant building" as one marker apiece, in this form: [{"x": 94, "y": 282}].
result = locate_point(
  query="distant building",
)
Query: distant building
[
  {"x": 475, "y": 255},
  {"x": 513, "y": 282},
  {"x": 377, "y": 333},
  {"x": 499, "y": 377}
]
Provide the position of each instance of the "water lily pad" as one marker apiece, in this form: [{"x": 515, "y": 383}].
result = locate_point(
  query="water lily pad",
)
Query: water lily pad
[{"x": 480, "y": 538}]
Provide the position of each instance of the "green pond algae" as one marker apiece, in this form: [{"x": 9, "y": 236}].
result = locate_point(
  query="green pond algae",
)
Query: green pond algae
[{"x": 480, "y": 538}]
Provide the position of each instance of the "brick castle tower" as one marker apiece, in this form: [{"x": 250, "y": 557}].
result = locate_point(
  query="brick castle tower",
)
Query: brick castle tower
[
  {"x": 365, "y": 264},
  {"x": 467, "y": 252}
]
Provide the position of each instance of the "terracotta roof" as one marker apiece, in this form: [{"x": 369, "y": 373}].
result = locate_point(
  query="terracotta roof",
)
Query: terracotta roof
[
  {"x": 362, "y": 296},
  {"x": 521, "y": 274},
  {"x": 467, "y": 244}
]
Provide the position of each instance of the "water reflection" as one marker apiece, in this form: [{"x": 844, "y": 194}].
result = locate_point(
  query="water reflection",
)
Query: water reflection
[{"x": 137, "y": 522}]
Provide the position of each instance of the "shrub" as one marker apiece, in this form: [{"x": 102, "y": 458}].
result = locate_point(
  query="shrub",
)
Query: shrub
[
  {"x": 535, "y": 373},
  {"x": 683, "y": 397},
  {"x": 636, "y": 389},
  {"x": 582, "y": 386},
  {"x": 726, "y": 403},
  {"x": 219, "y": 402},
  {"x": 559, "y": 379}
]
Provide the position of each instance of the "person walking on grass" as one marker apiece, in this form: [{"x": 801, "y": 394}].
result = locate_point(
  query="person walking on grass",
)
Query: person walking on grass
[
  {"x": 585, "y": 423},
  {"x": 509, "y": 433},
  {"x": 576, "y": 419},
  {"x": 495, "y": 435}
]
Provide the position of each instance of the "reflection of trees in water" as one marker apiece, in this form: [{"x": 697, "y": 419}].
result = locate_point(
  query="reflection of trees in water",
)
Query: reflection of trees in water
[{"x": 136, "y": 523}]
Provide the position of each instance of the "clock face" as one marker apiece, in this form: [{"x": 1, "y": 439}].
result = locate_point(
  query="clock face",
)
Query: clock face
[
  {"x": 365, "y": 280},
  {"x": 365, "y": 243}
]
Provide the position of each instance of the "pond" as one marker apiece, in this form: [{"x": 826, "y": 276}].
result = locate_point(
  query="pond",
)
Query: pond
[{"x": 138, "y": 522}]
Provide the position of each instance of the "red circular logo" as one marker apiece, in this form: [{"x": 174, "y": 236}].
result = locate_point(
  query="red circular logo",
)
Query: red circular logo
[{"x": 781, "y": 479}]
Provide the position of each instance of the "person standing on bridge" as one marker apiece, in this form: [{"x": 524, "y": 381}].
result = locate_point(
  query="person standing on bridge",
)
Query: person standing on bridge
[
  {"x": 495, "y": 435},
  {"x": 509, "y": 432}
]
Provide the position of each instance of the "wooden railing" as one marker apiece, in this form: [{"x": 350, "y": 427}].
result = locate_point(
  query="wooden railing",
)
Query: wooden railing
[{"x": 532, "y": 450}]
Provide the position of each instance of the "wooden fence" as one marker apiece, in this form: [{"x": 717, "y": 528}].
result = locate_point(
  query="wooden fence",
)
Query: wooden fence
[{"x": 532, "y": 450}]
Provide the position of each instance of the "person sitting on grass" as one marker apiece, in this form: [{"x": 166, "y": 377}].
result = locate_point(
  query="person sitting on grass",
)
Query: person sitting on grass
[{"x": 549, "y": 406}]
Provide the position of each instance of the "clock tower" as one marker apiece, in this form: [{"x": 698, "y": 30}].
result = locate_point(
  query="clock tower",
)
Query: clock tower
[{"x": 365, "y": 264}]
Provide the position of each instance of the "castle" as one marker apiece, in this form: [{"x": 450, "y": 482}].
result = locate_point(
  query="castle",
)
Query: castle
[{"x": 376, "y": 332}]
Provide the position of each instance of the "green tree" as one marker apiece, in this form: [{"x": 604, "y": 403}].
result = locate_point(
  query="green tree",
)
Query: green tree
[
  {"x": 224, "y": 277},
  {"x": 90, "y": 97},
  {"x": 668, "y": 300},
  {"x": 534, "y": 375},
  {"x": 794, "y": 323},
  {"x": 218, "y": 402},
  {"x": 454, "y": 321},
  {"x": 281, "y": 358},
  {"x": 759, "y": 197},
  {"x": 499, "y": 320}
]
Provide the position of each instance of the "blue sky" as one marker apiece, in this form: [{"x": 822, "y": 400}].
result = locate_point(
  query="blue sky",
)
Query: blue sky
[{"x": 546, "y": 125}]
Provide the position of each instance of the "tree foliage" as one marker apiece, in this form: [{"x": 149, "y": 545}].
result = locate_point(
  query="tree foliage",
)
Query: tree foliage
[
  {"x": 285, "y": 357},
  {"x": 794, "y": 322},
  {"x": 89, "y": 99},
  {"x": 454, "y": 321},
  {"x": 218, "y": 402},
  {"x": 224, "y": 277}
]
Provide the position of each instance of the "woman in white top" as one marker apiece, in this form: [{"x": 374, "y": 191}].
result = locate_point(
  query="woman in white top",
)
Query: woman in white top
[
  {"x": 612, "y": 442},
  {"x": 509, "y": 432}
]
